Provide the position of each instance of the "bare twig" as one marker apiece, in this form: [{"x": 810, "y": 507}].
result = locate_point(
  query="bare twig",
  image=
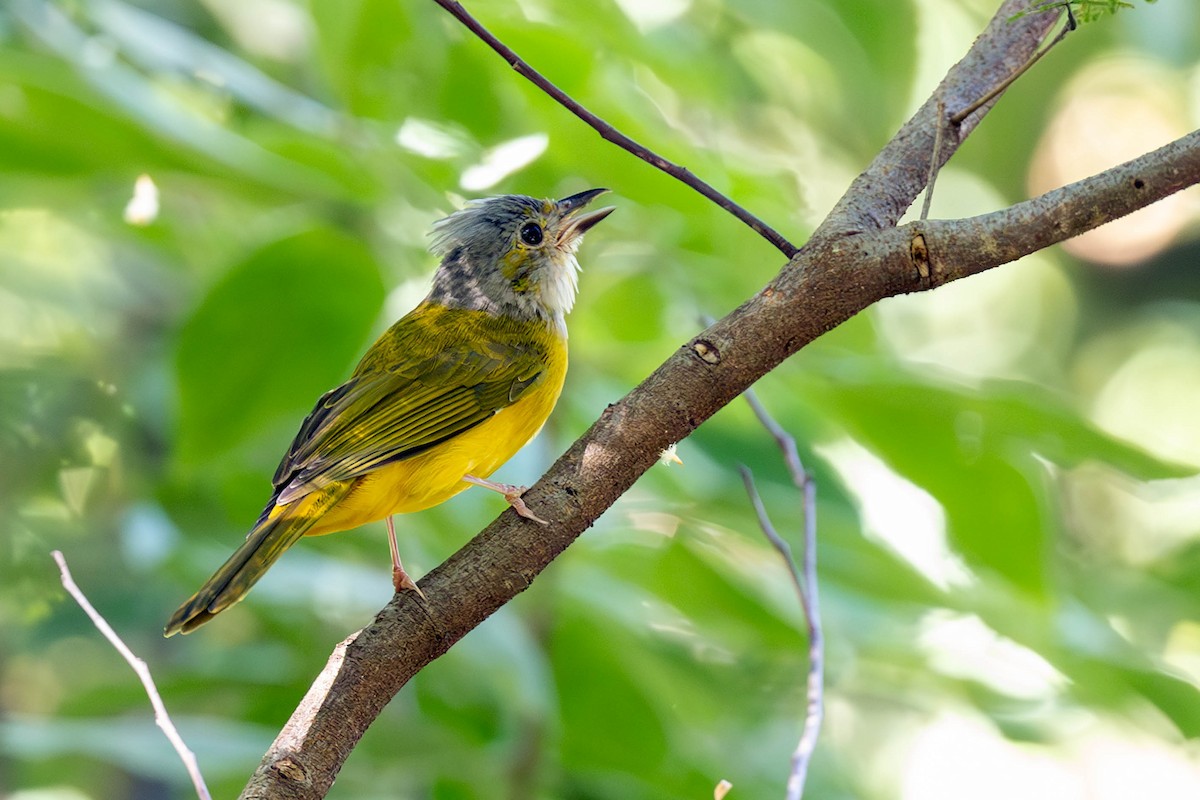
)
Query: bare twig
[
  {"x": 161, "y": 718},
  {"x": 957, "y": 119},
  {"x": 934, "y": 158},
  {"x": 805, "y": 581},
  {"x": 611, "y": 134},
  {"x": 1071, "y": 25}
]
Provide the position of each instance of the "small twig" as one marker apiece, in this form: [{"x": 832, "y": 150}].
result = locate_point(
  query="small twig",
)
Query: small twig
[
  {"x": 957, "y": 119},
  {"x": 611, "y": 134},
  {"x": 1071, "y": 25},
  {"x": 934, "y": 158},
  {"x": 161, "y": 718},
  {"x": 777, "y": 541},
  {"x": 805, "y": 581}
]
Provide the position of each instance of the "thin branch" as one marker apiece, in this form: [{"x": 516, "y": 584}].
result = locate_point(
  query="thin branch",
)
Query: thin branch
[
  {"x": 161, "y": 718},
  {"x": 805, "y": 581},
  {"x": 961, "y": 247},
  {"x": 778, "y": 542},
  {"x": 1071, "y": 25},
  {"x": 611, "y": 134},
  {"x": 934, "y": 158}
]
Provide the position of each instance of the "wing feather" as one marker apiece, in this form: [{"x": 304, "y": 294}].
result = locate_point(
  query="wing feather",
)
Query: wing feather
[{"x": 377, "y": 418}]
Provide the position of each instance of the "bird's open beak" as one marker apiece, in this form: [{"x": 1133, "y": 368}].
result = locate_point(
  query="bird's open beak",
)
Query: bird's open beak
[{"x": 578, "y": 224}]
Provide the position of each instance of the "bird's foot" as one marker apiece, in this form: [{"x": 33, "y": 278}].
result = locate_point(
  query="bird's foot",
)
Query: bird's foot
[
  {"x": 404, "y": 583},
  {"x": 400, "y": 579},
  {"x": 512, "y": 494}
]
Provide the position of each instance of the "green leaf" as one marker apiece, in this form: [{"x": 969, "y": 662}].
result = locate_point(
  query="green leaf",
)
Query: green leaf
[
  {"x": 276, "y": 332},
  {"x": 1178, "y": 699},
  {"x": 1002, "y": 415},
  {"x": 380, "y": 60},
  {"x": 615, "y": 727},
  {"x": 976, "y": 452},
  {"x": 1105, "y": 681}
]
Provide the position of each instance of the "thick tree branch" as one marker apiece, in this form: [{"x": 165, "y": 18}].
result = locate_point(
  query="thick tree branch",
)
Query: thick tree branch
[{"x": 830, "y": 280}]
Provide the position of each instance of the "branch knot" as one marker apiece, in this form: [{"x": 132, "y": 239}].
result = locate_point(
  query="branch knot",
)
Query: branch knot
[
  {"x": 707, "y": 351},
  {"x": 291, "y": 770},
  {"x": 919, "y": 253}
]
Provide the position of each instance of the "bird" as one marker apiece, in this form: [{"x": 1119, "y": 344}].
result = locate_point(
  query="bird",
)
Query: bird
[{"x": 446, "y": 395}]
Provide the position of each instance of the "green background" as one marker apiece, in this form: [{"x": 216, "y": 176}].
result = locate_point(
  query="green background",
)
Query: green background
[{"x": 1009, "y": 546}]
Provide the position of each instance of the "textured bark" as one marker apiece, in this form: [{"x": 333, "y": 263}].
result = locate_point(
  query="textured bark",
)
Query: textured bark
[{"x": 855, "y": 258}]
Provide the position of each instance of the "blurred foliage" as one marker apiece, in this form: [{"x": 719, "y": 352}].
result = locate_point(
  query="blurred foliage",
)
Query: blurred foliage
[
  {"x": 1009, "y": 546},
  {"x": 1084, "y": 10}
]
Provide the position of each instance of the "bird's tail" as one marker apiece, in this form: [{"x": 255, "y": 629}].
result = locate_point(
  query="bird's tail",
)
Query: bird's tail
[{"x": 275, "y": 532}]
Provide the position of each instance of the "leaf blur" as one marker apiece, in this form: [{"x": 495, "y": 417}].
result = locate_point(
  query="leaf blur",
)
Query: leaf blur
[{"x": 1009, "y": 551}]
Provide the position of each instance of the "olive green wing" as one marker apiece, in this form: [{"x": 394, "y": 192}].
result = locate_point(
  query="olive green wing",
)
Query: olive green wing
[{"x": 377, "y": 418}]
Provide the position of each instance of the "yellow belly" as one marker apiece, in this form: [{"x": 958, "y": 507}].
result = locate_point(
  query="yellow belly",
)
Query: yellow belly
[{"x": 437, "y": 474}]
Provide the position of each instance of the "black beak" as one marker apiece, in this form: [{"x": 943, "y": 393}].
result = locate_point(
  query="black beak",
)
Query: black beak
[
  {"x": 569, "y": 204},
  {"x": 573, "y": 204}
]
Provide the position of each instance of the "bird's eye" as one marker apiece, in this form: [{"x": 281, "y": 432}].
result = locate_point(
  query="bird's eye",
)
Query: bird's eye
[{"x": 531, "y": 233}]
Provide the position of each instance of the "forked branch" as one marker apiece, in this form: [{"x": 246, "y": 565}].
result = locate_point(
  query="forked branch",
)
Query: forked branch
[{"x": 805, "y": 581}]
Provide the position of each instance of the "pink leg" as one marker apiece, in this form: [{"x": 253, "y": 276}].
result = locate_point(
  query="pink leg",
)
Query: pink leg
[
  {"x": 511, "y": 493},
  {"x": 400, "y": 578}
]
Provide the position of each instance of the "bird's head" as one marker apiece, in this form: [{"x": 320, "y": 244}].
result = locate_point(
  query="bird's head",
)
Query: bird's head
[{"x": 513, "y": 255}]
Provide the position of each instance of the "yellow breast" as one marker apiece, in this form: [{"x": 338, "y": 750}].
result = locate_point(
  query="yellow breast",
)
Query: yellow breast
[{"x": 435, "y": 475}]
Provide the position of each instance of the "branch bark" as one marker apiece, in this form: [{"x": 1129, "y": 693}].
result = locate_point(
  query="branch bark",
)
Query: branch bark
[{"x": 855, "y": 258}]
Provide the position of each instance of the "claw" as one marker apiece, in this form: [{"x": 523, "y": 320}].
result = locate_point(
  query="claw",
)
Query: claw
[
  {"x": 518, "y": 505},
  {"x": 402, "y": 582},
  {"x": 512, "y": 494},
  {"x": 400, "y": 579}
]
